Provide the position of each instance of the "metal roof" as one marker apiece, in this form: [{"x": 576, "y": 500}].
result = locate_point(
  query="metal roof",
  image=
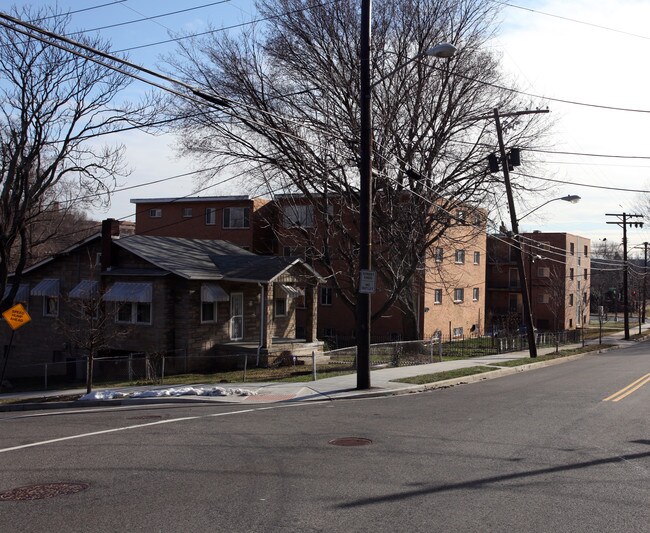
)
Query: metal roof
[
  {"x": 128, "y": 292},
  {"x": 85, "y": 290},
  {"x": 47, "y": 287},
  {"x": 22, "y": 295},
  {"x": 211, "y": 292}
]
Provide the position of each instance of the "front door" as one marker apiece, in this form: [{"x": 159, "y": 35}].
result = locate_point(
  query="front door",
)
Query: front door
[{"x": 236, "y": 316}]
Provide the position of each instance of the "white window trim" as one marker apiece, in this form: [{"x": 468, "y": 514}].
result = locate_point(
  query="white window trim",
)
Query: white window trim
[
  {"x": 45, "y": 306},
  {"x": 475, "y": 294},
  {"x": 437, "y": 296},
  {"x": 462, "y": 295},
  {"x": 210, "y": 216},
  {"x": 477, "y": 261},
  {"x": 134, "y": 314},
  {"x": 246, "y": 216},
  {"x": 155, "y": 212},
  {"x": 459, "y": 257}
]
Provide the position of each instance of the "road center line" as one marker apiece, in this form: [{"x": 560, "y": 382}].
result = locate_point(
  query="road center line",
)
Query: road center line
[
  {"x": 138, "y": 426},
  {"x": 626, "y": 391}
]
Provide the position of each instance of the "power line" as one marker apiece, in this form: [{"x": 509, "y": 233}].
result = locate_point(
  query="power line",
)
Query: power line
[
  {"x": 577, "y": 184},
  {"x": 569, "y": 19},
  {"x": 153, "y": 17},
  {"x": 58, "y": 15}
]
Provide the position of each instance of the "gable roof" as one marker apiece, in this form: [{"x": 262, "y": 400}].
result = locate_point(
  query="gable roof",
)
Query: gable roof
[
  {"x": 188, "y": 258},
  {"x": 202, "y": 259}
]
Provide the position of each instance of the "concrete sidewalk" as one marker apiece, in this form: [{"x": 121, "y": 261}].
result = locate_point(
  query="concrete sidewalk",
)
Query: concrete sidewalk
[{"x": 382, "y": 381}]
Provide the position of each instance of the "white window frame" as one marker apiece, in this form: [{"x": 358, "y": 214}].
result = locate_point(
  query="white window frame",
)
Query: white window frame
[
  {"x": 439, "y": 254},
  {"x": 51, "y": 311},
  {"x": 134, "y": 306},
  {"x": 210, "y": 216},
  {"x": 459, "y": 257},
  {"x": 459, "y": 295},
  {"x": 475, "y": 294},
  {"x": 477, "y": 258},
  {"x": 298, "y": 216},
  {"x": 326, "y": 296},
  {"x": 458, "y": 332},
  {"x": 279, "y": 312},
  {"x": 437, "y": 296},
  {"x": 187, "y": 212},
  {"x": 243, "y": 216},
  {"x": 155, "y": 212}
]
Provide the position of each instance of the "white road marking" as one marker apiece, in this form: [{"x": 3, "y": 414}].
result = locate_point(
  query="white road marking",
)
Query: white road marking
[{"x": 137, "y": 426}]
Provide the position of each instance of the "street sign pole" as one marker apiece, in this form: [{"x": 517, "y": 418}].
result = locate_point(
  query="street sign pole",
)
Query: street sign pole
[{"x": 4, "y": 366}]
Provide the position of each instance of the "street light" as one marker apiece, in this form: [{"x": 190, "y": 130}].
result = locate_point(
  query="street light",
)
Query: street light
[
  {"x": 572, "y": 198},
  {"x": 443, "y": 50}
]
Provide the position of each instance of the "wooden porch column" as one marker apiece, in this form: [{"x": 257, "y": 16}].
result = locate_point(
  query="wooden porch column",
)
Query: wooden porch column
[
  {"x": 266, "y": 316},
  {"x": 311, "y": 315}
]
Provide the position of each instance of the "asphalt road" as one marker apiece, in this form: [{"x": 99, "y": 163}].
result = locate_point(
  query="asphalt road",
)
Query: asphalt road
[{"x": 536, "y": 451}]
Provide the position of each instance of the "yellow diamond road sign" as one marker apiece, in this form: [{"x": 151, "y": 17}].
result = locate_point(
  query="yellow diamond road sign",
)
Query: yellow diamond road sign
[{"x": 16, "y": 316}]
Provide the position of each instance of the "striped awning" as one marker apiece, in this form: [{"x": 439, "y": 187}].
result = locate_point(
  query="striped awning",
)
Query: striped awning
[
  {"x": 129, "y": 292},
  {"x": 86, "y": 290},
  {"x": 290, "y": 290},
  {"x": 211, "y": 292},
  {"x": 21, "y": 296},
  {"x": 47, "y": 287}
]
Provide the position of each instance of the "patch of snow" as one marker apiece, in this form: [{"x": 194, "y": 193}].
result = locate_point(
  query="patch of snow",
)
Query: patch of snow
[{"x": 162, "y": 393}]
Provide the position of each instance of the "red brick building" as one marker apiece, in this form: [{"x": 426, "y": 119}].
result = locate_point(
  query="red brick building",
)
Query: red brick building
[{"x": 558, "y": 273}]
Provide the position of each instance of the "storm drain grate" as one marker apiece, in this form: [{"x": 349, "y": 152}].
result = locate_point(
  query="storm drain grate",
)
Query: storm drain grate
[
  {"x": 40, "y": 492},
  {"x": 350, "y": 441}
]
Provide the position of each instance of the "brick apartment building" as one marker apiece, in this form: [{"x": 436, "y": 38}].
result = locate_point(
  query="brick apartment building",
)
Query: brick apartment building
[
  {"x": 448, "y": 293},
  {"x": 558, "y": 273}
]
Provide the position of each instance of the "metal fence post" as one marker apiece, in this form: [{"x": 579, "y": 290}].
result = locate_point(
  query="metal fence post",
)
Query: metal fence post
[
  {"x": 440, "y": 347},
  {"x": 313, "y": 363}
]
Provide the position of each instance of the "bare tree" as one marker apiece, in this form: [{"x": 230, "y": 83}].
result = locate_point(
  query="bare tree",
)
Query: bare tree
[
  {"x": 292, "y": 120},
  {"x": 53, "y": 105}
]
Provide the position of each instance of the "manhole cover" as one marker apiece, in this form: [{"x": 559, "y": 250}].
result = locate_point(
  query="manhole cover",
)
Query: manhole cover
[
  {"x": 40, "y": 492},
  {"x": 145, "y": 417},
  {"x": 350, "y": 441}
]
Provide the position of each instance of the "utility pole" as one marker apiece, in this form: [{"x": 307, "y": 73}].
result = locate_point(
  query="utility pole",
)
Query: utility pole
[
  {"x": 624, "y": 223},
  {"x": 525, "y": 296},
  {"x": 645, "y": 275}
]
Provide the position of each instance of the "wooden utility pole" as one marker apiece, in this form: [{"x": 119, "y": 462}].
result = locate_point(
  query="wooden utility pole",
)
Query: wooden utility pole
[{"x": 624, "y": 223}]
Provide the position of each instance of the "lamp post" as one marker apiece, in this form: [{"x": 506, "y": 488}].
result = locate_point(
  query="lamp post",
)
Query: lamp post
[
  {"x": 571, "y": 198},
  {"x": 365, "y": 186}
]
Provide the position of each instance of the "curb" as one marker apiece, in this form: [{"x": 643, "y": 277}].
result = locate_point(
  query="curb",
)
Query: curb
[{"x": 347, "y": 395}]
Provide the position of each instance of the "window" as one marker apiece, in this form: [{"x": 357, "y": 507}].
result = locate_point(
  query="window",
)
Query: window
[
  {"x": 571, "y": 274},
  {"x": 584, "y": 297},
  {"x": 546, "y": 246},
  {"x": 570, "y": 299},
  {"x": 477, "y": 220},
  {"x": 134, "y": 313},
  {"x": 51, "y": 306},
  {"x": 293, "y": 251},
  {"x": 438, "y": 255},
  {"x": 187, "y": 212},
  {"x": 477, "y": 258},
  {"x": 280, "y": 307},
  {"x": 543, "y": 272},
  {"x": 155, "y": 213},
  {"x": 475, "y": 294},
  {"x": 211, "y": 216},
  {"x": 301, "y": 216},
  {"x": 326, "y": 295},
  {"x": 460, "y": 217},
  {"x": 572, "y": 249},
  {"x": 459, "y": 257},
  {"x": 208, "y": 311},
  {"x": 513, "y": 278},
  {"x": 458, "y": 332},
  {"x": 236, "y": 217},
  {"x": 437, "y": 296},
  {"x": 459, "y": 295},
  {"x": 584, "y": 273},
  {"x": 543, "y": 298},
  {"x": 579, "y": 260},
  {"x": 586, "y": 251}
]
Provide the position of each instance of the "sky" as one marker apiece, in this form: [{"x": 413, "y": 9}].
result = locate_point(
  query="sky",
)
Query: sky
[{"x": 592, "y": 52}]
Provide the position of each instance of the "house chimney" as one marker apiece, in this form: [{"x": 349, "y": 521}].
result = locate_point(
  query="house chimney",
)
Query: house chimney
[{"x": 110, "y": 229}]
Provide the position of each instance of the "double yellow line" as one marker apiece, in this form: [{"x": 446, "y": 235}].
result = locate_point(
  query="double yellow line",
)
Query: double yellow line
[{"x": 617, "y": 396}]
